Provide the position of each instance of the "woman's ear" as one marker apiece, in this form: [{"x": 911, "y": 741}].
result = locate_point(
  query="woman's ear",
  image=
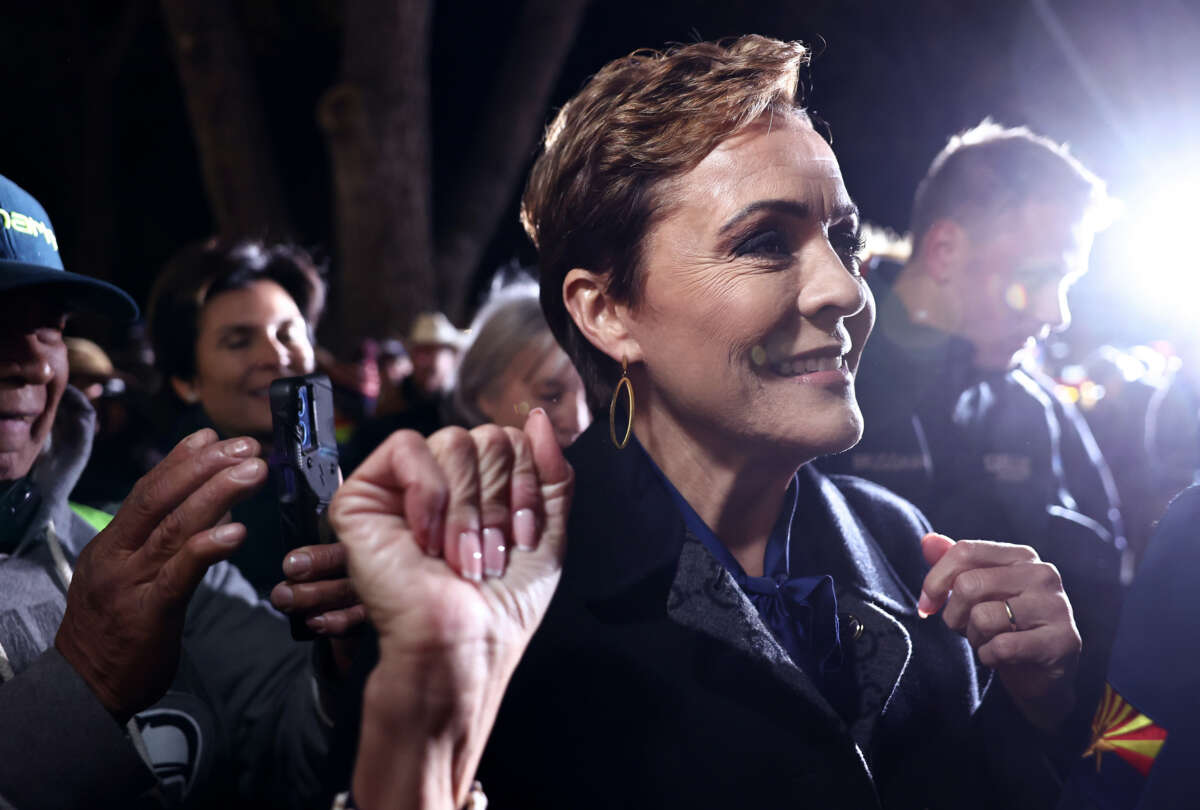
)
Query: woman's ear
[
  {"x": 602, "y": 319},
  {"x": 185, "y": 390}
]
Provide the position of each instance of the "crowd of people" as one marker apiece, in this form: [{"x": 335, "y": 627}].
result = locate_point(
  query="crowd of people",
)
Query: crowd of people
[{"x": 661, "y": 528}]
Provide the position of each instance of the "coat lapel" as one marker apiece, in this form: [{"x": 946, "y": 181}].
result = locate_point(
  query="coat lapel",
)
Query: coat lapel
[
  {"x": 705, "y": 598},
  {"x": 656, "y": 562},
  {"x": 873, "y": 604}
]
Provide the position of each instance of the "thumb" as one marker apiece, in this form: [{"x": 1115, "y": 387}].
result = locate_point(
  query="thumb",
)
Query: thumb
[
  {"x": 555, "y": 477},
  {"x": 934, "y": 546}
]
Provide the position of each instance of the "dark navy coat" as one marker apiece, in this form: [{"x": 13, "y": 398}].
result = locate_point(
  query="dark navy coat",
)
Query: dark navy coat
[
  {"x": 652, "y": 682},
  {"x": 1146, "y": 735},
  {"x": 990, "y": 456}
]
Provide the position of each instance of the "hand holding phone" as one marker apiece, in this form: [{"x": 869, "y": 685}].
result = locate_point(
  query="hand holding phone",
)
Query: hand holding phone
[{"x": 305, "y": 460}]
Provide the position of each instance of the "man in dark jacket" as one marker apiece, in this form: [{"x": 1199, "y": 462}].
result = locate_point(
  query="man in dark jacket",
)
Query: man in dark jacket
[
  {"x": 1146, "y": 732},
  {"x": 135, "y": 666},
  {"x": 1002, "y": 226}
]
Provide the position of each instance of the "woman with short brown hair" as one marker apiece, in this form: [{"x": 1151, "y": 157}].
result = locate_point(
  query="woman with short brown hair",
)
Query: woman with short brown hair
[{"x": 732, "y": 628}]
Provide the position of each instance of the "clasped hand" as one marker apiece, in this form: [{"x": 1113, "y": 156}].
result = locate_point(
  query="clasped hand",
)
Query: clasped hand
[
  {"x": 1011, "y": 607},
  {"x": 455, "y": 546}
]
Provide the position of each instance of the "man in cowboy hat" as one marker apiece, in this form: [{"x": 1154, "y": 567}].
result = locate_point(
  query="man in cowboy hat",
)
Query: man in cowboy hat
[{"x": 434, "y": 346}]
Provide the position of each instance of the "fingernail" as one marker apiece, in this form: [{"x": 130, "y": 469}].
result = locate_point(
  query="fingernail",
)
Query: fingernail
[
  {"x": 472, "y": 555},
  {"x": 296, "y": 564},
  {"x": 197, "y": 439},
  {"x": 542, "y": 411},
  {"x": 282, "y": 597},
  {"x": 925, "y": 606},
  {"x": 241, "y": 447},
  {"x": 316, "y": 623},
  {"x": 247, "y": 471},
  {"x": 493, "y": 552},
  {"x": 226, "y": 534},
  {"x": 525, "y": 529}
]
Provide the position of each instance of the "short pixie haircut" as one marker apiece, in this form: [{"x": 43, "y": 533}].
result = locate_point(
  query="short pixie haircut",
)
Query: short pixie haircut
[
  {"x": 201, "y": 271},
  {"x": 599, "y": 184},
  {"x": 990, "y": 169}
]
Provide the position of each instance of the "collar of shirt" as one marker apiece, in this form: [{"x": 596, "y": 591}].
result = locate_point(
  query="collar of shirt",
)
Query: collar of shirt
[{"x": 801, "y": 612}]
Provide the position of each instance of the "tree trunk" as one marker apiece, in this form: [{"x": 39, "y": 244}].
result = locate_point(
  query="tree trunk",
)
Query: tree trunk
[
  {"x": 511, "y": 125},
  {"x": 227, "y": 121},
  {"x": 377, "y": 122},
  {"x": 101, "y": 51}
]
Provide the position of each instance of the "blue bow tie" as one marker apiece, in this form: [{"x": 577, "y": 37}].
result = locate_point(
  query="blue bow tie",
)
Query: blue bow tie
[{"x": 802, "y": 614}]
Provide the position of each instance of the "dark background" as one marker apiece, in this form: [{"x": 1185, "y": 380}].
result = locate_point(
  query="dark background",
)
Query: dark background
[{"x": 1120, "y": 81}]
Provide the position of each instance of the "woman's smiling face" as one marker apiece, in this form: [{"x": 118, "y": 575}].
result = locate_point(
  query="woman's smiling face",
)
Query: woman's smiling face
[
  {"x": 752, "y": 315},
  {"x": 246, "y": 338}
]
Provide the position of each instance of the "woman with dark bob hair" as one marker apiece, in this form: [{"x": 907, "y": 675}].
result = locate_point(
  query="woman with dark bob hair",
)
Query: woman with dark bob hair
[
  {"x": 227, "y": 317},
  {"x": 733, "y": 629}
]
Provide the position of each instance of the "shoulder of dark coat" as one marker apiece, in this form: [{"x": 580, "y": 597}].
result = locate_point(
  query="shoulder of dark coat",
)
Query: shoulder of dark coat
[{"x": 895, "y": 524}]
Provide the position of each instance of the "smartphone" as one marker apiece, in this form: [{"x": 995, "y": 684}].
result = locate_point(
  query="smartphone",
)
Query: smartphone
[{"x": 305, "y": 463}]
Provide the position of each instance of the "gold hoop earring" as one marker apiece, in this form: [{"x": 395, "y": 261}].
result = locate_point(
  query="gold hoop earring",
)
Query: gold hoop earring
[{"x": 627, "y": 384}]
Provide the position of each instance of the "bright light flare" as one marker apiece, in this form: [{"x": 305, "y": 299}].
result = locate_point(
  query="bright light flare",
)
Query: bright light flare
[{"x": 1160, "y": 249}]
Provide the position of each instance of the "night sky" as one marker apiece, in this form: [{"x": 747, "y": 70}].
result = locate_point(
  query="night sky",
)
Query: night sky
[{"x": 1118, "y": 80}]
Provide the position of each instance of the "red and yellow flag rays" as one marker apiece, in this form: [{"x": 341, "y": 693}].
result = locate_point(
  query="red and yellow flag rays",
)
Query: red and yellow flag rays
[{"x": 1122, "y": 729}]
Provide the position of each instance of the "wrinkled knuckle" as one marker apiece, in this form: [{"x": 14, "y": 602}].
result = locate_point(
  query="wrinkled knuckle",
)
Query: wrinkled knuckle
[
  {"x": 147, "y": 493},
  {"x": 969, "y": 584},
  {"x": 492, "y": 441},
  {"x": 1027, "y": 552},
  {"x": 518, "y": 441},
  {"x": 406, "y": 439},
  {"x": 1047, "y": 576},
  {"x": 961, "y": 552},
  {"x": 171, "y": 525},
  {"x": 983, "y": 615},
  {"x": 453, "y": 439}
]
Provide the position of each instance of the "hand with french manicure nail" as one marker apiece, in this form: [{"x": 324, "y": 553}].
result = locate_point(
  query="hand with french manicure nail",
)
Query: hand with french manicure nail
[
  {"x": 466, "y": 526},
  {"x": 1011, "y": 607},
  {"x": 455, "y": 546},
  {"x": 123, "y": 624}
]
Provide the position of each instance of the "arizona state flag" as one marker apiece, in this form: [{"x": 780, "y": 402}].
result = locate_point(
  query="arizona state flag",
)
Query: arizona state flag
[
  {"x": 1123, "y": 731},
  {"x": 1113, "y": 771}
]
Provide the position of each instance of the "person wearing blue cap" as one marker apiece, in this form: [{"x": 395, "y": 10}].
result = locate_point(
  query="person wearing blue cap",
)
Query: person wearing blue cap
[{"x": 135, "y": 665}]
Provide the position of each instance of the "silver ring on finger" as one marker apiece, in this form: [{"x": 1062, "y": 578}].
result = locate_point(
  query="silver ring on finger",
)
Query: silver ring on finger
[{"x": 1012, "y": 620}]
